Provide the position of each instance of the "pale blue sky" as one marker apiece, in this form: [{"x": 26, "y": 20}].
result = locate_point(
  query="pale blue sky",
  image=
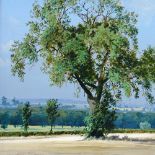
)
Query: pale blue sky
[{"x": 13, "y": 17}]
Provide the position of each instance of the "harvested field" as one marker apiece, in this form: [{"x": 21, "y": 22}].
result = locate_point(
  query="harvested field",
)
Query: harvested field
[{"x": 75, "y": 145}]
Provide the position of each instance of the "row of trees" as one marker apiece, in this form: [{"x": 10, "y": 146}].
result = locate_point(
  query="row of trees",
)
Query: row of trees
[
  {"x": 76, "y": 118},
  {"x": 23, "y": 114},
  {"x": 51, "y": 110},
  {"x": 132, "y": 120},
  {"x": 66, "y": 118},
  {"x": 5, "y": 102}
]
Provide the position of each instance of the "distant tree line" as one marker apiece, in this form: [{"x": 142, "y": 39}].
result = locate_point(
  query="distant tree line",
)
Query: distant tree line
[
  {"x": 39, "y": 116},
  {"x": 24, "y": 114},
  {"x": 132, "y": 120},
  {"x": 5, "y": 102}
]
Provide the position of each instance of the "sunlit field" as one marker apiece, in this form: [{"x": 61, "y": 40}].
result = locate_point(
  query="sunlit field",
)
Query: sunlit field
[
  {"x": 45, "y": 129},
  {"x": 11, "y": 128}
]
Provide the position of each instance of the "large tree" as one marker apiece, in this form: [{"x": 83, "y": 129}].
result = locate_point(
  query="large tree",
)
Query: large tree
[{"x": 99, "y": 51}]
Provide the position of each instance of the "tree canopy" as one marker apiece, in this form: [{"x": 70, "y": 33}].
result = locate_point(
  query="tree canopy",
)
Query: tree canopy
[
  {"x": 99, "y": 52},
  {"x": 52, "y": 111},
  {"x": 26, "y": 114}
]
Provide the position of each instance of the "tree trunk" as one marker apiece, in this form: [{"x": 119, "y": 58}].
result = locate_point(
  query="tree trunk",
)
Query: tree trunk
[
  {"x": 92, "y": 104},
  {"x": 51, "y": 129}
]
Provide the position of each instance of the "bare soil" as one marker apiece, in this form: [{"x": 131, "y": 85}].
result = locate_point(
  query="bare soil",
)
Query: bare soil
[{"x": 77, "y": 145}]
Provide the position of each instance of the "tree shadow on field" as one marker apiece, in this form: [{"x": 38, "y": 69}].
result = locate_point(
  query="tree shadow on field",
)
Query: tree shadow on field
[{"x": 126, "y": 138}]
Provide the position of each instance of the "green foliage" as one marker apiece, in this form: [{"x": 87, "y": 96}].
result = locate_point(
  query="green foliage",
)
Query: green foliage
[
  {"x": 16, "y": 118},
  {"x": 4, "y": 101},
  {"x": 73, "y": 118},
  {"x": 101, "y": 121},
  {"x": 36, "y": 133},
  {"x": 39, "y": 116},
  {"x": 100, "y": 50},
  {"x": 133, "y": 131},
  {"x": 4, "y": 120},
  {"x": 4, "y": 126},
  {"x": 145, "y": 125},
  {"x": 103, "y": 43},
  {"x": 15, "y": 101},
  {"x": 26, "y": 114},
  {"x": 52, "y": 111},
  {"x": 81, "y": 132}
]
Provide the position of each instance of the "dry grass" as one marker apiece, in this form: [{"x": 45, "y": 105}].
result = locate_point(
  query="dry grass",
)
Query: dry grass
[{"x": 72, "y": 145}]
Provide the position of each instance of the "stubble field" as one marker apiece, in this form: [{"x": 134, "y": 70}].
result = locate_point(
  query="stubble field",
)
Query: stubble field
[{"x": 75, "y": 145}]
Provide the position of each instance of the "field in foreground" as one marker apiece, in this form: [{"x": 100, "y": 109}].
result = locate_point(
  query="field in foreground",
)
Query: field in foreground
[{"x": 74, "y": 145}]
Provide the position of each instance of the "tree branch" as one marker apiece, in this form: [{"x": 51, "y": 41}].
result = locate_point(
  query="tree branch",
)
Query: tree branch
[
  {"x": 90, "y": 85},
  {"x": 100, "y": 88},
  {"x": 102, "y": 79},
  {"x": 86, "y": 90}
]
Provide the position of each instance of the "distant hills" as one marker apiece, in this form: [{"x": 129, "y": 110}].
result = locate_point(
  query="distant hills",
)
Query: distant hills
[
  {"x": 63, "y": 103},
  {"x": 83, "y": 105}
]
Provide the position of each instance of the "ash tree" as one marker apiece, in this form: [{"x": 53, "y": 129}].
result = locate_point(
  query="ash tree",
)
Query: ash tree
[
  {"x": 52, "y": 112},
  {"x": 101, "y": 121},
  {"x": 26, "y": 114},
  {"x": 100, "y": 52}
]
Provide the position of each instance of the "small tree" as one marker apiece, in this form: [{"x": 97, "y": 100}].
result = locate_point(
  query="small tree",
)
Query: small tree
[
  {"x": 4, "y": 120},
  {"x": 52, "y": 111},
  {"x": 5, "y": 101},
  {"x": 15, "y": 101},
  {"x": 26, "y": 114},
  {"x": 145, "y": 125}
]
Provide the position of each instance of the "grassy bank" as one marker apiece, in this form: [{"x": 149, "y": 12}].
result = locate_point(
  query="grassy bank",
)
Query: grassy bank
[
  {"x": 58, "y": 130},
  {"x": 40, "y": 131},
  {"x": 11, "y": 128},
  {"x": 18, "y": 134},
  {"x": 133, "y": 131}
]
